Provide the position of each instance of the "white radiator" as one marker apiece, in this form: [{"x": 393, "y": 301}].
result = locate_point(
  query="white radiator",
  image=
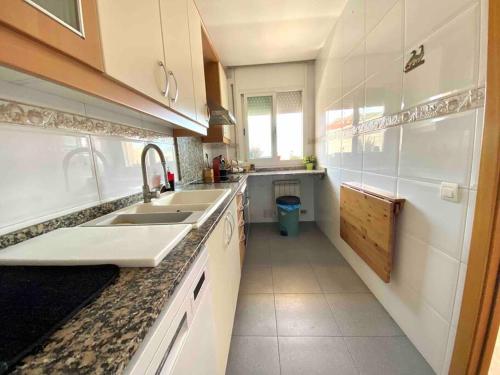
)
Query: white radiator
[{"x": 286, "y": 187}]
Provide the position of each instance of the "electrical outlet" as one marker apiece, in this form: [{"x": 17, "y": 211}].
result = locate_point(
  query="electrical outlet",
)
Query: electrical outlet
[{"x": 449, "y": 191}]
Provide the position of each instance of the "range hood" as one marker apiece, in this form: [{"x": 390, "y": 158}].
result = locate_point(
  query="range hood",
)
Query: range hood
[{"x": 220, "y": 116}]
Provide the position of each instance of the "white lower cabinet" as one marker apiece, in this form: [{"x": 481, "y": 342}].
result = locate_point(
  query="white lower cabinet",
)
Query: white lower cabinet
[
  {"x": 192, "y": 335},
  {"x": 224, "y": 266}
]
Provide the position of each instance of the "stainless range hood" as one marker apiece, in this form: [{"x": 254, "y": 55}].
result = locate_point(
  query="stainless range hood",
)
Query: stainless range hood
[{"x": 220, "y": 116}]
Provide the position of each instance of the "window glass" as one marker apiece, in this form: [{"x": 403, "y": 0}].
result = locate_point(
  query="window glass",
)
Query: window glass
[
  {"x": 289, "y": 125},
  {"x": 260, "y": 113},
  {"x": 66, "y": 11}
]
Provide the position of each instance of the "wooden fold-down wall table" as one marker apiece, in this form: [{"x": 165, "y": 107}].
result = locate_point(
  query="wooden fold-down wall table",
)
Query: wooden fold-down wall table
[{"x": 368, "y": 225}]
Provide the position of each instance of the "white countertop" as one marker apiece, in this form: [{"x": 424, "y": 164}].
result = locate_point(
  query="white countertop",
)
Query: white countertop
[
  {"x": 288, "y": 172},
  {"x": 127, "y": 246}
]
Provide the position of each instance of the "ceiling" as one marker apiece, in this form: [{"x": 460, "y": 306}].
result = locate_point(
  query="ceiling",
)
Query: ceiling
[{"x": 248, "y": 32}]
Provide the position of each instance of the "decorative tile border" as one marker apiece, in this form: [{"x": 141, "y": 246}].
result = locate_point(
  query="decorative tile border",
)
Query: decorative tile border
[
  {"x": 24, "y": 114},
  {"x": 69, "y": 220},
  {"x": 456, "y": 103}
]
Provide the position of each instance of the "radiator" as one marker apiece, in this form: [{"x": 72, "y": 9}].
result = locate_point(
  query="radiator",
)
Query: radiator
[{"x": 286, "y": 187}]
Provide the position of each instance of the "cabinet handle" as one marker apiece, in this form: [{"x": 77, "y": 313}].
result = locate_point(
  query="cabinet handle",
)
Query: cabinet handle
[
  {"x": 182, "y": 327},
  {"x": 176, "y": 96},
  {"x": 167, "y": 82}
]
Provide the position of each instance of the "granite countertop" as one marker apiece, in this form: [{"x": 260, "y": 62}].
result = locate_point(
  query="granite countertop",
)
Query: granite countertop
[
  {"x": 103, "y": 337},
  {"x": 288, "y": 172}
]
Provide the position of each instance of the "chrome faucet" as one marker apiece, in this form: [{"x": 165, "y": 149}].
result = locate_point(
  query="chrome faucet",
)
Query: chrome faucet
[{"x": 146, "y": 193}]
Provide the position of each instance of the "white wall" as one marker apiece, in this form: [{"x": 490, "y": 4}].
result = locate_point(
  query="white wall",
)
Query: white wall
[
  {"x": 262, "y": 203},
  {"x": 360, "y": 71},
  {"x": 274, "y": 77},
  {"x": 48, "y": 173}
]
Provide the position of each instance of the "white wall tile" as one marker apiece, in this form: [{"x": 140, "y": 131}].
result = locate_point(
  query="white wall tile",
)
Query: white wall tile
[
  {"x": 435, "y": 221},
  {"x": 438, "y": 149},
  {"x": 352, "y": 150},
  {"x": 381, "y": 151},
  {"x": 154, "y": 162},
  {"x": 43, "y": 172},
  {"x": 375, "y": 11},
  {"x": 118, "y": 163},
  {"x": 459, "y": 295},
  {"x": 425, "y": 16},
  {"x": 352, "y": 24},
  {"x": 347, "y": 175},
  {"x": 483, "y": 43},
  {"x": 471, "y": 207},
  {"x": 353, "y": 69},
  {"x": 449, "y": 351},
  {"x": 451, "y": 60},
  {"x": 384, "y": 44},
  {"x": 476, "y": 153},
  {"x": 382, "y": 182},
  {"x": 428, "y": 271},
  {"x": 353, "y": 106},
  {"x": 102, "y": 113},
  {"x": 384, "y": 91}
]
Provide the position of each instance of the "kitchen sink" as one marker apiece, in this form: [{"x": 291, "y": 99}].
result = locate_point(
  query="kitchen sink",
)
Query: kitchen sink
[{"x": 183, "y": 207}]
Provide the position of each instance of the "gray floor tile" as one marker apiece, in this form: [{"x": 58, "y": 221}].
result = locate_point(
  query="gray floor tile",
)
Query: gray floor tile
[
  {"x": 326, "y": 256},
  {"x": 304, "y": 315},
  {"x": 360, "y": 314},
  {"x": 289, "y": 256},
  {"x": 339, "y": 278},
  {"x": 315, "y": 355},
  {"x": 257, "y": 254},
  {"x": 255, "y": 315},
  {"x": 256, "y": 279},
  {"x": 295, "y": 279},
  {"x": 387, "y": 355},
  {"x": 253, "y": 356}
]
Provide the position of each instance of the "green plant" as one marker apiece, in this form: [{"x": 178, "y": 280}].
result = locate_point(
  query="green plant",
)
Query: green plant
[{"x": 310, "y": 159}]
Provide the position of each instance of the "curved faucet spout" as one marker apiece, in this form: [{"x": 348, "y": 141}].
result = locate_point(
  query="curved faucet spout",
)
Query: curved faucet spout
[{"x": 146, "y": 192}]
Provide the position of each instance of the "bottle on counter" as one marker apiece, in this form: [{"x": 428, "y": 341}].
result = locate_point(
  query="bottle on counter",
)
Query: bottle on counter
[{"x": 171, "y": 180}]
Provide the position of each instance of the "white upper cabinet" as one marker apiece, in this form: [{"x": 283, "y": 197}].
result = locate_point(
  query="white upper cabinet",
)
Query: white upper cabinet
[
  {"x": 177, "y": 47},
  {"x": 198, "y": 64},
  {"x": 132, "y": 45}
]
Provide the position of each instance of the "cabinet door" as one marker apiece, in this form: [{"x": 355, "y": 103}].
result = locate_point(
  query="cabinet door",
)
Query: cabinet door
[
  {"x": 176, "y": 40},
  {"x": 224, "y": 96},
  {"x": 225, "y": 272},
  {"x": 198, "y": 66},
  {"x": 69, "y": 26},
  {"x": 132, "y": 45}
]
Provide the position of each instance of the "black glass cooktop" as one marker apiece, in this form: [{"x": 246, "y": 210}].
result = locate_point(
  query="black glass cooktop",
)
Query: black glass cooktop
[{"x": 36, "y": 301}]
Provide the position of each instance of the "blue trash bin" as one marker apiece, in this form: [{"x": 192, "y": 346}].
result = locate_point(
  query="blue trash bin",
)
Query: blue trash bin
[{"x": 288, "y": 214}]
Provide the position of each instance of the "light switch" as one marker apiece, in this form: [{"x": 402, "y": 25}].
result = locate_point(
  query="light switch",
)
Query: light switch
[{"x": 449, "y": 191}]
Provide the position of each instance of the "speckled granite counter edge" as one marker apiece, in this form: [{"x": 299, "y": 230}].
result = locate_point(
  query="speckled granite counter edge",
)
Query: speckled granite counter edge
[{"x": 103, "y": 337}]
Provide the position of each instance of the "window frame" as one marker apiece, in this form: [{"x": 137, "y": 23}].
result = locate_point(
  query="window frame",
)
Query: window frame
[{"x": 273, "y": 161}]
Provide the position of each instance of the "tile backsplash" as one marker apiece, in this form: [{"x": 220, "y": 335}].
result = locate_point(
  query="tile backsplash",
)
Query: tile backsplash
[
  {"x": 190, "y": 156},
  {"x": 55, "y": 163}
]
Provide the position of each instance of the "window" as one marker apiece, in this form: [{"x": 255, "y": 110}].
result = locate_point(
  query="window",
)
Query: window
[{"x": 275, "y": 126}]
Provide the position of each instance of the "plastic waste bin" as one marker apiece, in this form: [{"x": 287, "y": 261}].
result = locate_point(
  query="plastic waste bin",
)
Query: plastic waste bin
[{"x": 288, "y": 214}]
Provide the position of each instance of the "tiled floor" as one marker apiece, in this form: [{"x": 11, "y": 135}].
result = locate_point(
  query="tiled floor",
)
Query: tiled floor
[{"x": 303, "y": 310}]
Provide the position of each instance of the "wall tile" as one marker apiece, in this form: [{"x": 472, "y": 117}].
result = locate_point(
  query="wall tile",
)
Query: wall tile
[
  {"x": 476, "y": 153},
  {"x": 432, "y": 220},
  {"x": 353, "y": 105},
  {"x": 425, "y": 16},
  {"x": 352, "y": 150},
  {"x": 347, "y": 175},
  {"x": 382, "y": 182},
  {"x": 451, "y": 60},
  {"x": 384, "y": 91},
  {"x": 190, "y": 154},
  {"x": 118, "y": 163},
  {"x": 430, "y": 272},
  {"x": 439, "y": 149},
  {"x": 381, "y": 151},
  {"x": 449, "y": 351},
  {"x": 471, "y": 206},
  {"x": 375, "y": 11},
  {"x": 43, "y": 172},
  {"x": 483, "y": 43},
  {"x": 352, "y": 24},
  {"x": 353, "y": 69},
  {"x": 459, "y": 294},
  {"x": 384, "y": 44}
]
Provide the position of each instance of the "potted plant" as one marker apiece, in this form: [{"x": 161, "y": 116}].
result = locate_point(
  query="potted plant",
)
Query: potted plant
[{"x": 310, "y": 161}]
